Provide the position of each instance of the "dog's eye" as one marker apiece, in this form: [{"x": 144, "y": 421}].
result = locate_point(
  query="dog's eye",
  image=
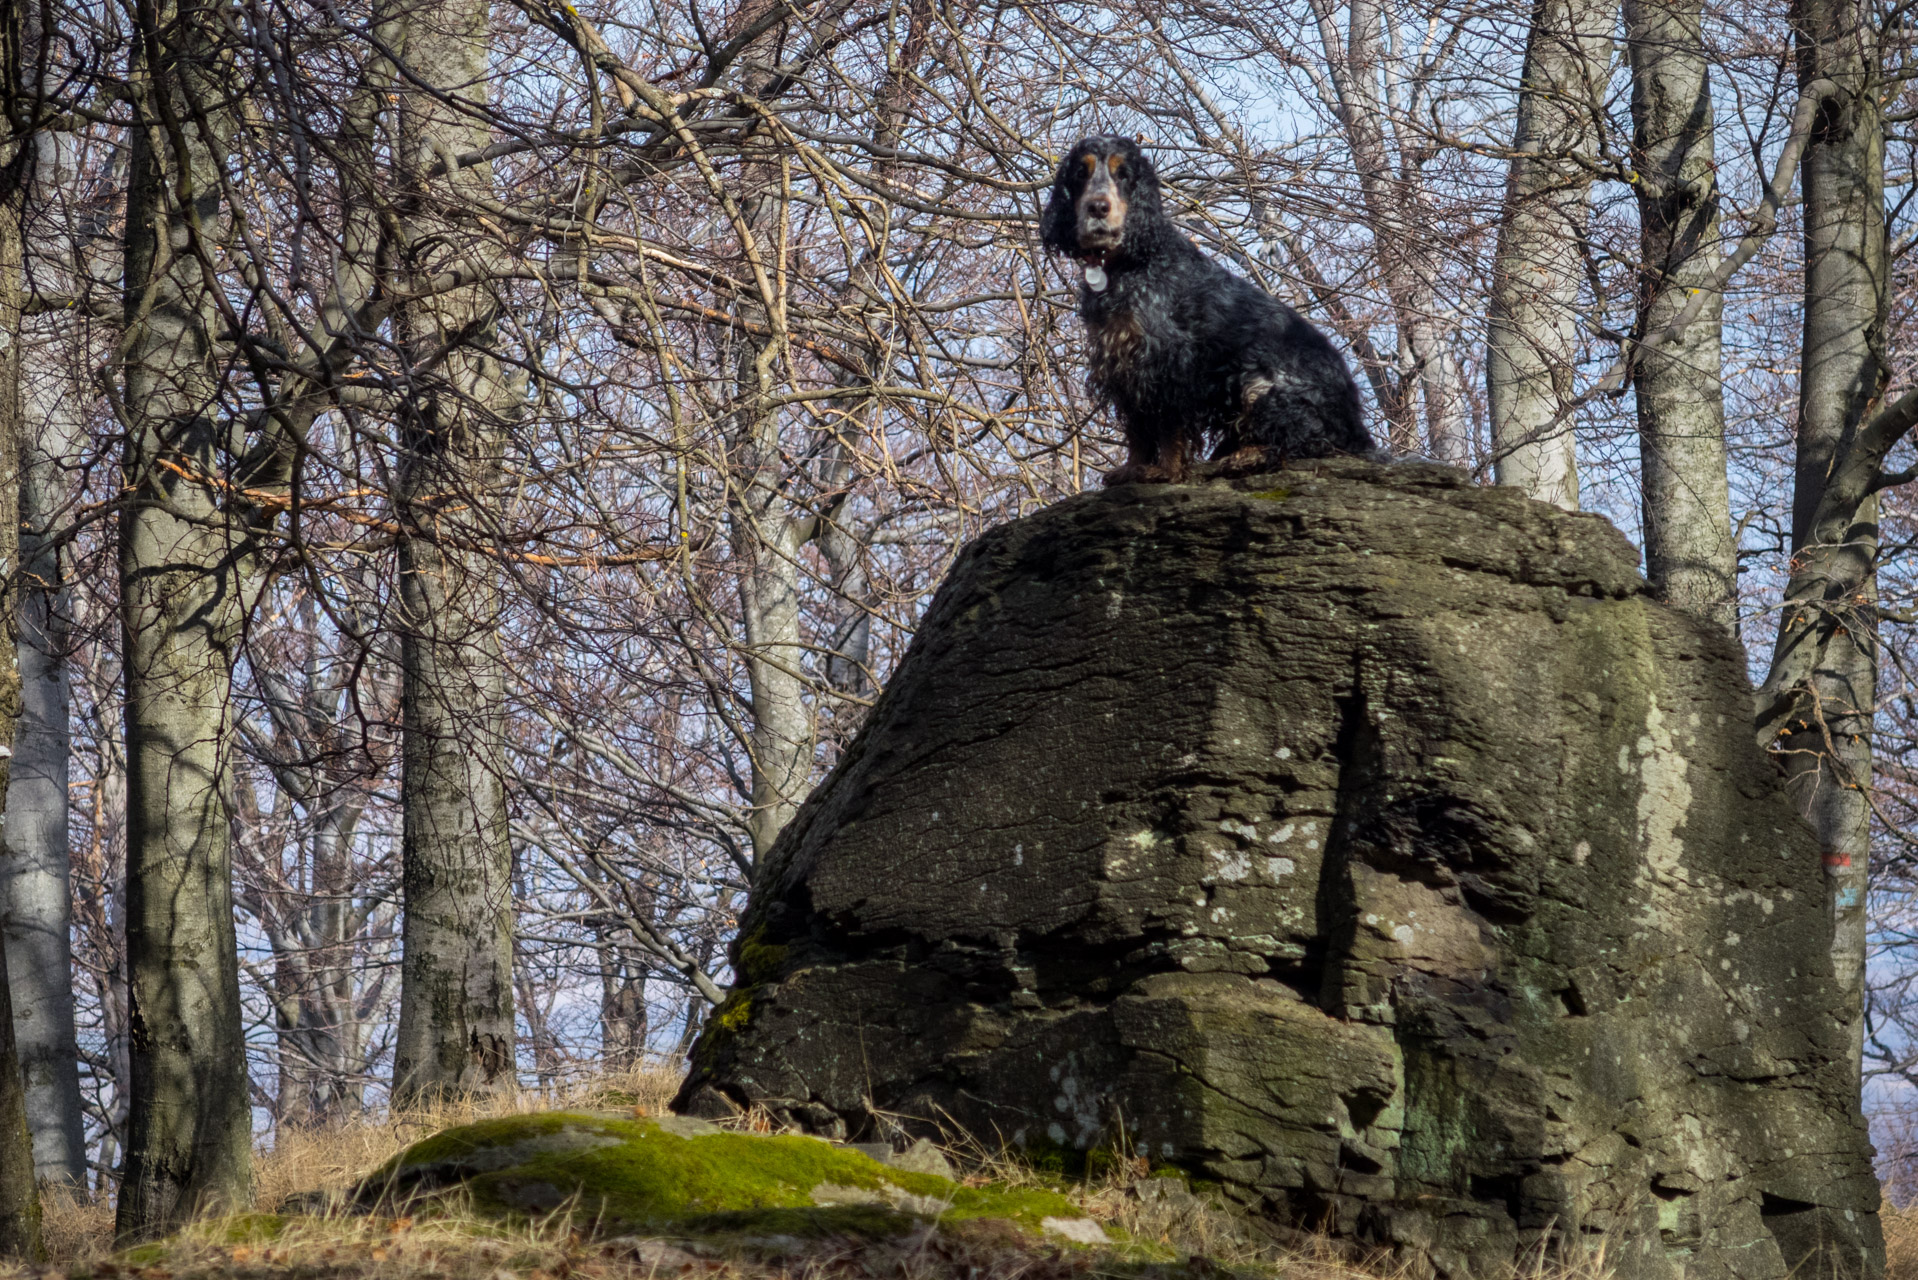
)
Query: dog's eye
[
  {"x": 1091, "y": 162},
  {"x": 1116, "y": 163}
]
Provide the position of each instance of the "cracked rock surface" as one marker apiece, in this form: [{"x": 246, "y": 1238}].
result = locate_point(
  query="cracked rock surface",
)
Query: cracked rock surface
[{"x": 1367, "y": 842}]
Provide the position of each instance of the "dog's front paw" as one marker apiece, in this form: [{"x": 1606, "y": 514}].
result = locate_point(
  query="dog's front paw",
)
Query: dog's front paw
[
  {"x": 1142, "y": 473},
  {"x": 1246, "y": 461}
]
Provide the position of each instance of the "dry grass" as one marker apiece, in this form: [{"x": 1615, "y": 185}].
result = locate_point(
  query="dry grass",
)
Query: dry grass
[
  {"x": 1901, "y": 1242},
  {"x": 330, "y": 1160},
  {"x": 456, "y": 1249},
  {"x": 1180, "y": 1224},
  {"x": 1171, "y": 1234},
  {"x": 76, "y": 1232}
]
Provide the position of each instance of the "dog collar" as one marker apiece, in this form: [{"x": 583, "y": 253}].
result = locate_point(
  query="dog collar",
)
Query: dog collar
[{"x": 1095, "y": 277}]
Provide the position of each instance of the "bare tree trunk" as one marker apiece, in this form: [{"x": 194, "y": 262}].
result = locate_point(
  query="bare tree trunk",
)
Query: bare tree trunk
[
  {"x": 623, "y": 1016},
  {"x": 622, "y": 1000},
  {"x": 294, "y": 1098},
  {"x": 320, "y": 1032},
  {"x": 34, "y": 879},
  {"x": 1689, "y": 554},
  {"x": 456, "y": 1033},
  {"x": 1394, "y": 197},
  {"x": 848, "y": 665},
  {"x": 181, "y": 573},
  {"x": 769, "y": 535},
  {"x": 34, "y": 882},
  {"x": 100, "y": 882},
  {"x": 1532, "y": 335},
  {"x": 34, "y": 875},
  {"x": 769, "y": 532},
  {"x": 19, "y": 1196},
  {"x": 329, "y": 1009},
  {"x": 312, "y": 931},
  {"x": 1821, "y": 694}
]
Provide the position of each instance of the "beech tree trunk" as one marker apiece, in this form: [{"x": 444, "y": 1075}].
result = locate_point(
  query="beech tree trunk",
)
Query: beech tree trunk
[
  {"x": 456, "y": 1033},
  {"x": 19, "y": 1196},
  {"x": 1398, "y": 210},
  {"x": 1532, "y": 335},
  {"x": 182, "y": 571},
  {"x": 769, "y": 531},
  {"x": 34, "y": 875},
  {"x": 623, "y": 1015},
  {"x": 770, "y": 535},
  {"x": 1689, "y": 554},
  {"x": 1820, "y": 697}
]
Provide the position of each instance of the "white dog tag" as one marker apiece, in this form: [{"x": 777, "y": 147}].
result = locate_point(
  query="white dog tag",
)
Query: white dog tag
[{"x": 1096, "y": 278}]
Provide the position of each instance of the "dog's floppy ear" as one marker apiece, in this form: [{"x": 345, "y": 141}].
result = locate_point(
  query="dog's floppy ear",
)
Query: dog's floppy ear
[
  {"x": 1059, "y": 224},
  {"x": 1142, "y": 179}
]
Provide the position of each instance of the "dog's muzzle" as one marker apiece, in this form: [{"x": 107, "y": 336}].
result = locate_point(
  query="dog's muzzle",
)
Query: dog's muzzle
[{"x": 1101, "y": 215}]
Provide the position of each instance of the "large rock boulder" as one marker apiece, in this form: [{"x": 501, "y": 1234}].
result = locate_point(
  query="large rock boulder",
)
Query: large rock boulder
[{"x": 1367, "y": 842}]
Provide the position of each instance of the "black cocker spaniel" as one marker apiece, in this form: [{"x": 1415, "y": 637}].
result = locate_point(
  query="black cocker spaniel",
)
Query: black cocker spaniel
[{"x": 1188, "y": 353}]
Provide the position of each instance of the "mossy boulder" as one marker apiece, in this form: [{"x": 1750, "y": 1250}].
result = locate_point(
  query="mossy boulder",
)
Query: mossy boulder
[
  {"x": 1365, "y": 841},
  {"x": 680, "y": 1177}
]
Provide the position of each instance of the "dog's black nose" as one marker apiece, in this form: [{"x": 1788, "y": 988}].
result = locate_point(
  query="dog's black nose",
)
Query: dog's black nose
[{"x": 1098, "y": 207}]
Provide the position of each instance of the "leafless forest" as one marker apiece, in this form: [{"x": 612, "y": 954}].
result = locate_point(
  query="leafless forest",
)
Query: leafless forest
[{"x": 479, "y": 459}]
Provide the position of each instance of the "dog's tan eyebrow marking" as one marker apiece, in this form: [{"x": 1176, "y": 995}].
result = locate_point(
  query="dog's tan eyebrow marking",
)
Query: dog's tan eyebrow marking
[
  {"x": 1092, "y": 162},
  {"x": 1114, "y": 163}
]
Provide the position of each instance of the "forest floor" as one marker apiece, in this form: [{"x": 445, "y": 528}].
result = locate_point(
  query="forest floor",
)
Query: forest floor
[{"x": 1168, "y": 1241}]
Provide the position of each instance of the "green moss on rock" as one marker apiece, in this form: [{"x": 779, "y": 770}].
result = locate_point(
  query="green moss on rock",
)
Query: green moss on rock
[
  {"x": 684, "y": 1177},
  {"x": 759, "y": 960},
  {"x": 728, "y": 1020}
]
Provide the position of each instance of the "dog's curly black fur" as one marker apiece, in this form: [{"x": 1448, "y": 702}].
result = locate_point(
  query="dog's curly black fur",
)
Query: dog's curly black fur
[{"x": 1188, "y": 353}]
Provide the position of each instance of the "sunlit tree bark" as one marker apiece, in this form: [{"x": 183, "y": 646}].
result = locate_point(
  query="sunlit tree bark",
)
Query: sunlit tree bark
[
  {"x": 34, "y": 874},
  {"x": 770, "y": 533},
  {"x": 1817, "y": 705},
  {"x": 1689, "y": 555},
  {"x": 20, "y": 1236},
  {"x": 456, "y": 1032},
  {"x": 769, "y": 519},
  {"x": 1538, "y": 270},
  {"x": 182, "y": 568}
]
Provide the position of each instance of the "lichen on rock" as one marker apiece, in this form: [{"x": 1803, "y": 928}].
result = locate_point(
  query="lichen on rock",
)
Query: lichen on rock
[{"x": 1366, "y": 842}]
